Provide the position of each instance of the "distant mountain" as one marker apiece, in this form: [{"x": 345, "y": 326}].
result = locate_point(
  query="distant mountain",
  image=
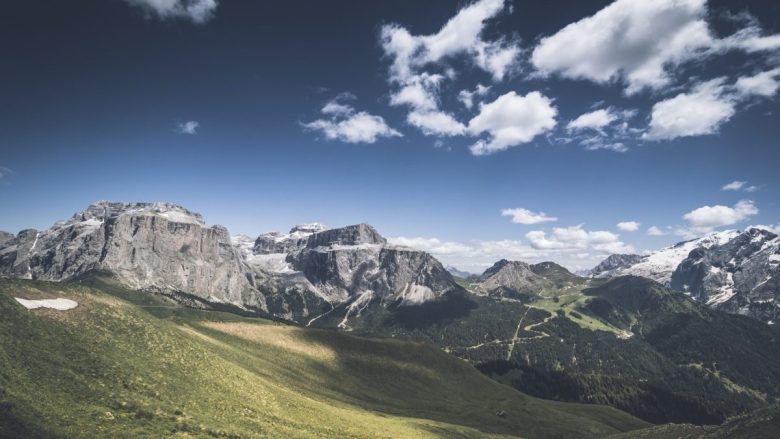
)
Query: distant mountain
[
  {"x": 738, "y": 272},
  {"x": 613, "y": 263},
  {"x": 458, "y": 273}
]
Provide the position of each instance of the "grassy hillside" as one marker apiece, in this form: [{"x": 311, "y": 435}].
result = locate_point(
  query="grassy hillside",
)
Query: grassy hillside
[
  {"x": 126, "y": 364},
  {"x": 626, "y": 342}
]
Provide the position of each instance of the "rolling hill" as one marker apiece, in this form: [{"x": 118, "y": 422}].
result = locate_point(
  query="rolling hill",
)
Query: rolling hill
[{"x": 130, "y": 364}]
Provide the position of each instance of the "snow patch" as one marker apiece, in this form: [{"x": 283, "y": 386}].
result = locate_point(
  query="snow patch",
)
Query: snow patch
[
  {"x": 59, "y": 304},
  {"x": 726, "y": 291}
]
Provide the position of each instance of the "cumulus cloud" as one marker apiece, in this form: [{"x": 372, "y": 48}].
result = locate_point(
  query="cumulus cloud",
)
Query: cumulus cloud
[
  {"x": 577, "y": 238},
  {"x": 462, "y": 34},
  {"x": 707, "y": 218},
  {"x": 189, "y": 127},
  {"x": 640, "y": 43},
  {"x": 418, "y": 65},
  {"x": 197, "y": 11},
  {"x": 655, "y": 231},
  {"x": 701, "y": 111},
  {"x": 347, "y": 125},
  {"x": 628, "y": 226},
  {"x": 511, "y": 120},
  {"x": 525, "y": 216}
]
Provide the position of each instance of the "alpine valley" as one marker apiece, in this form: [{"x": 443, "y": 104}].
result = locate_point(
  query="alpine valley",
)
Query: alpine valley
[{"x": 180, "y": 328}]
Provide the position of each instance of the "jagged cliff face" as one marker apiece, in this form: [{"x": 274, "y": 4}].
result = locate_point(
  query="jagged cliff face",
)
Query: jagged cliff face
[
  {"x": 164, "y": 247},
  {"x": 156, "y": 246},
  {"x": 311, "y": 270},
  {"x": 738, "y": 272},
  {"x": 741, "y": 276}
]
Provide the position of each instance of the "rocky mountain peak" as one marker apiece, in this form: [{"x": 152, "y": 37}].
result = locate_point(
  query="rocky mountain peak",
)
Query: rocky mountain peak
[
  {"x": 358, "y": 234},
  {"x": 308, "y": 229},
  {"x": 614, "y": 262}
]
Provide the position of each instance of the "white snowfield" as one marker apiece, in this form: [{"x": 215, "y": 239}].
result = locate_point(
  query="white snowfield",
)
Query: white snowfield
[{"x": 59, "y": 304}]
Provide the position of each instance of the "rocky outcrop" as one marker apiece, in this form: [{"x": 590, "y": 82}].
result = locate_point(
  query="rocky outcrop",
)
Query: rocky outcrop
[
  {"x": 510, "y": 278},
  {"x": 734, "y": 271},
  {"x": 739, "y": 276},
  {"x": 312, "y": 270},
  {"x": 157, "y": 246},
  {"x": 614, "y": 262}
]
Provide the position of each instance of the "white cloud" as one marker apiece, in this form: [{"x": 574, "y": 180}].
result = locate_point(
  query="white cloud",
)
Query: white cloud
[
  {"x": 4, "y": 172},
  {"x": 462, "y": 34},
  {"x": 602, "y": 129},
  {"x": 197, "y": 11},
  {"x": 752, "y": 188},
  {"x": 594, "y": 120},
  {"x": 467, "y": 96},
  {"x": 346, "y": 125},
  {"x": 761, "y": 84},
  {"x": 707, "y": 218},
  {"x": 511, "y": 120},
  {"x": 435, "y": 123},
  {"x": 655, "y": 231},
  {"x": 699, "y": 112},
  {"x": 734, "y": 185},
  {"x": 640, "y": 43},
  {"x": 525, "y": 216},
  {"x": 633, "y": 41},
  {"x": 190, "y": 127},
  {"x": 628, "y": 226},
  {"x": 598, "y": 143},
  {"x": 577, "y": 238},
  {"x": 478, "y": 255}
]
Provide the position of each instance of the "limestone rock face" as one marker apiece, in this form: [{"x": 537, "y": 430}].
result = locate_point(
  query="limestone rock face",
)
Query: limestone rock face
[
  {"x": 737, "y": 272},
  {"x": 157, "y": 246},
  {"x": 312, "y": 270},
  {"x": 166, "y": 248}
]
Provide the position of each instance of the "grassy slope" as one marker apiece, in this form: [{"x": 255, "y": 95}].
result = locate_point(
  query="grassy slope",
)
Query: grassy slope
[{"x": 126, "y": 364}]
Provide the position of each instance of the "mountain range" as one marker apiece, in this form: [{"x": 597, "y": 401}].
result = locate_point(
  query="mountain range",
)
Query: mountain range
[{"x": 677, "y": 335}]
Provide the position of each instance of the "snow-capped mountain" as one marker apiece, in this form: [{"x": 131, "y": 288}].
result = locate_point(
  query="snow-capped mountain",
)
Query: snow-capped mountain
[{"x": 738, "y": 272}]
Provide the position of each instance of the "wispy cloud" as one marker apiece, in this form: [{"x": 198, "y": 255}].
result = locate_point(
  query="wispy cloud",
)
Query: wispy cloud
[
  {"x": 525, "y": 216},
  {"x": 189, "y": 127},
  {"x": 197, "y": 11}
]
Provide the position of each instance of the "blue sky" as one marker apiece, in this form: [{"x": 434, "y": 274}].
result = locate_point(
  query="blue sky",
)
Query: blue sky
[{"x": 588, "y": 114}]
